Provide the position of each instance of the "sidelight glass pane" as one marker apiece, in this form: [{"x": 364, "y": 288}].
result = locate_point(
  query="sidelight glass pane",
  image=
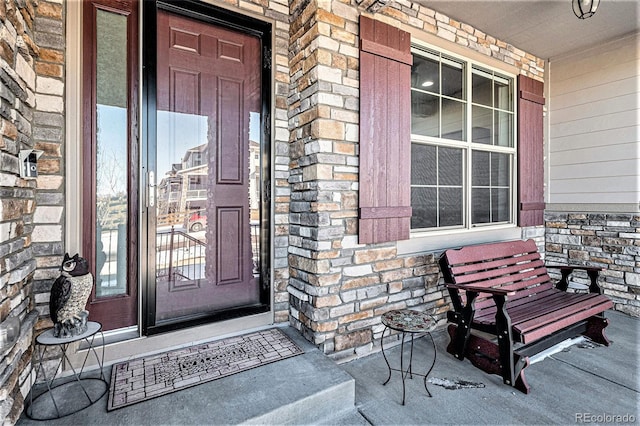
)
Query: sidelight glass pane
[{"x": 111, "y": 154}]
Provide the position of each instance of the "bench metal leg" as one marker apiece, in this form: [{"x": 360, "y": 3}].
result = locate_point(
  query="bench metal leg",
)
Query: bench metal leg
[
  {"x": 595, "y": 329},
  {"x": 505, "y": 340}
]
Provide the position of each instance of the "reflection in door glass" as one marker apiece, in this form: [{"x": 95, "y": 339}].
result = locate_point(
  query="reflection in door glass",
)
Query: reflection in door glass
[
  {"x": 185, "y": 202},
  {"x": 111, "y": 154},
  {"x": 208, "y": 169}
]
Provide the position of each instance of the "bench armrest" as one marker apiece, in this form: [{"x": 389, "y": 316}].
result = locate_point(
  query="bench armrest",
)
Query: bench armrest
[
  {"x": 566, "y": 270},
  {"x": 477, "y": 289},
  {"x": 574, "y": 267}
]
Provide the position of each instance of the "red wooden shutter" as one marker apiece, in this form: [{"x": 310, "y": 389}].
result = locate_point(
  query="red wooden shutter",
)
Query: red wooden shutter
[
  {"x": 385, "y": 132},
  {"x": 530, "y": 152}
]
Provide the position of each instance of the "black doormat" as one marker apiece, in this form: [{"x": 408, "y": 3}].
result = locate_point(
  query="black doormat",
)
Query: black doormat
[{"x": 145, "y": 378}]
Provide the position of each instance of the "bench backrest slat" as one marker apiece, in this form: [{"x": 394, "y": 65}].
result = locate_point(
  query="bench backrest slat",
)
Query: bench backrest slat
[
  {"x": 485, "y": 277},
  {"x": 514, "y": 266},
  {"x": 485, "y": 252},
  {"x": 464, "y": 268}
]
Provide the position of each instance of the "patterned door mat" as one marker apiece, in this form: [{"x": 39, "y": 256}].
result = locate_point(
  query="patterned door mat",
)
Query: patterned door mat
[{"x": 145, "y": 378}]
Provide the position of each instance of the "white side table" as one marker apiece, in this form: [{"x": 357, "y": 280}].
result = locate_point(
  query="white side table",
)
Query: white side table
[{"x": 67, "y": 395}]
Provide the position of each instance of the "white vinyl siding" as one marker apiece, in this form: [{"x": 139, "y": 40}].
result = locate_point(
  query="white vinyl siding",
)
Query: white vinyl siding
[{"x": 594, "y": 126}]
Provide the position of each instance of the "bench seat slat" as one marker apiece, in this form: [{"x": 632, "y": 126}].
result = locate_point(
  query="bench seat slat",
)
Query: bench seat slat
[
  {"x": 538, "y": 304},
  {"x": 552, "y": 327},
  {"x": 546, "y": 315},
  {"x": 521, "y": 296},
  {"x": 488, "y": 310}
]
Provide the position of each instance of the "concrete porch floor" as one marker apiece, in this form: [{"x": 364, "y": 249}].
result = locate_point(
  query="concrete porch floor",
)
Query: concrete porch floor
[{"x": 578, "y": 385}]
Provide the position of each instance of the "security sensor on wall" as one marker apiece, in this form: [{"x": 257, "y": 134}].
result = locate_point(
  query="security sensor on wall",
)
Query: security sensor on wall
[{"x": 29, "y": 163}]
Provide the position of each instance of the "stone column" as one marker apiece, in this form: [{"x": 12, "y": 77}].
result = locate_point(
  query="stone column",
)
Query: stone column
[{"x": 18, "y": 53}]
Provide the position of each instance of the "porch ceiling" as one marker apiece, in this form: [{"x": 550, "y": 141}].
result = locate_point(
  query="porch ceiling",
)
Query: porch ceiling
[{"x": 547, "y": 29}]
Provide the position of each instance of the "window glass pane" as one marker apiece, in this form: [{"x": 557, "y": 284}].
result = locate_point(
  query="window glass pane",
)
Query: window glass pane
[
  {"x": 449, "y": 166},
  {"x": 111, "y": 154},
  {"x": 482, "y": 125},
  {"x": 425, "y": 74},
  {"x": 500, "y": 169},
  {"x": 423, "y": 164},
  {"x": 480, "y": 168},
  {"x": 425, "y": 114},
  {"x": 452, "y": 79},
  {"x": 480, "y": 205},
  {"x": 503, "y": 128},
  {"x": 500, "y": 202},
  {"x": 423, "y": 203},
  {"x": 481, "y": 89},
  {"x": 453, "y": 119},
  {"x": 450, "y": 206},
  {"x": 502, "y": 93}
]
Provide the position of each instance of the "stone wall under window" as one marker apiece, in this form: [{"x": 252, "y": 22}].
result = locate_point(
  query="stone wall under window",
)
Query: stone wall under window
[{"x": 608, "y": 240}]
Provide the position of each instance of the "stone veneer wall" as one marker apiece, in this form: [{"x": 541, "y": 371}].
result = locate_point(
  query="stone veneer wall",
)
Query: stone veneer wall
[
  {"x": 18, "y": 197},
  {"x": 339, "y": 288},
  {"x": 608, "y": 240},
  {"x": 48, "y": 134}
]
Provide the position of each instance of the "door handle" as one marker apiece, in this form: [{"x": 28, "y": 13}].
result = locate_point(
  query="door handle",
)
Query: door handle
[{"x": 152, "y": 189}]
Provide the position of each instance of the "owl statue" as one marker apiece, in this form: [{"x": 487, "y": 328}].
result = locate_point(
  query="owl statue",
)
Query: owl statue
[{"x": 69, "y": 295}]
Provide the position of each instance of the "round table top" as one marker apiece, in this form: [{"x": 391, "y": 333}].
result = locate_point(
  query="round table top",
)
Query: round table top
[
  {"x": 409, "y": 321},
  {"x": 47, "y": 338}
]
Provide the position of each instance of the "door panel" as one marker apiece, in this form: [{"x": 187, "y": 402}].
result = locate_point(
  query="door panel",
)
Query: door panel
[{"x": 208, "y": 100}]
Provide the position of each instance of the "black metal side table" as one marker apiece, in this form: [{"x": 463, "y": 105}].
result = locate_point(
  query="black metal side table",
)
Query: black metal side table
[
  {"x": 67, "y": 395},
  {"x": 412, "y": 322}
]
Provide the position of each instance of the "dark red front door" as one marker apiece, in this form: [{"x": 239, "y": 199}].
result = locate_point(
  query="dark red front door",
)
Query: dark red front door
[{"x": 208, "y": 153}]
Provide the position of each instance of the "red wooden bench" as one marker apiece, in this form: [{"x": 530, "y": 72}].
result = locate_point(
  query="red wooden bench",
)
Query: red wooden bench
[{"x": 503, "y": 289}]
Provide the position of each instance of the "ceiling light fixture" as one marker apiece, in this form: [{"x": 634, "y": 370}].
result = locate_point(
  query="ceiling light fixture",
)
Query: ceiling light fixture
[
  {"x": 427, "y": 83},
  {"x": 585, "y": 8}
]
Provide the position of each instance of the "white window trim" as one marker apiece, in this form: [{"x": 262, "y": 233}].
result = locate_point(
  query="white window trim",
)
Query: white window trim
[
  {"x": 425, "y": 240},
  {"x": 73, "y": 128}
]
